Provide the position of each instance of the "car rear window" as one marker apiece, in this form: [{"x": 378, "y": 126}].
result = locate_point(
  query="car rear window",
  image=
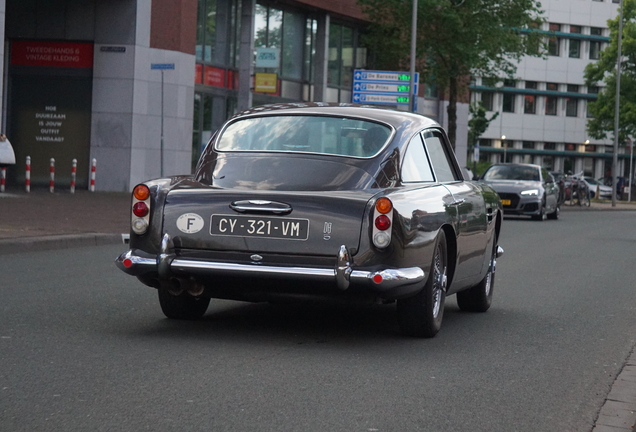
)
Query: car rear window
[
  {"x": 306, "y": 134},
  {"x": 512, "y": 172}
]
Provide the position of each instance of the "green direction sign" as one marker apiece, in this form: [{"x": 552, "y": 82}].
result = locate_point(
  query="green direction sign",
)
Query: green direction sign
[{"x": 382, "y": 87}]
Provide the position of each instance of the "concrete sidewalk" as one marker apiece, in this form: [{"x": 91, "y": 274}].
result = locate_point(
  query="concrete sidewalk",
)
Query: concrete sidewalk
[{"x": 42, "y": 220}]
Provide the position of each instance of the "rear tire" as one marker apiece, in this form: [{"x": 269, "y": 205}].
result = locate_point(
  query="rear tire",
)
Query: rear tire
[
  {"x": 182, "y": 306},
  {"x": 479, "y": 297},
  {"x": 421, "y": 315}
]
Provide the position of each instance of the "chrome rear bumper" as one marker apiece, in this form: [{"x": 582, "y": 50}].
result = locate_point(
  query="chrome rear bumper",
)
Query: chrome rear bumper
[{"x": 168, "y": 265}]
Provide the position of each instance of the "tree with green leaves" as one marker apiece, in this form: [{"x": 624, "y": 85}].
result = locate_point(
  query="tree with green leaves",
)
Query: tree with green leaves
[
  {"x": 601, "y": 125},
  {"x": 478, "y": 123},
  {"x": 455, "y": 39}
]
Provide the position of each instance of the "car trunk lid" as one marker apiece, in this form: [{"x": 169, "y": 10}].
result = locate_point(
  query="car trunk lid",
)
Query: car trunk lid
[{"x": 308, "y": 223}]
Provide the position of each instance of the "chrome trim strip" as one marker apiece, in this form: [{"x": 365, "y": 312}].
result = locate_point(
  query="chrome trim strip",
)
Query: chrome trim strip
[
  {"x": 245, "y": 208},
  {"x": 179, "y": 264}
]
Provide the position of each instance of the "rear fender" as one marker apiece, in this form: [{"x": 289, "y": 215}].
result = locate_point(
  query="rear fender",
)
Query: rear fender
[{"x": 150, "y": 241}]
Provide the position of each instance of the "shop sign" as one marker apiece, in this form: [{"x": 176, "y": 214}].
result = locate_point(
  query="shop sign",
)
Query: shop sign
[
  {"x": 267, "y": 57},
  {"x": 265, "y": 83},
  {"x": 214, "y": 76},
  {"x": 52, "y": 54}
]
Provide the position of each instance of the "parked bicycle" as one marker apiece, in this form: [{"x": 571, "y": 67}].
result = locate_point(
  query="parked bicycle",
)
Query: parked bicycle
[{"x": 576, "y": 192}]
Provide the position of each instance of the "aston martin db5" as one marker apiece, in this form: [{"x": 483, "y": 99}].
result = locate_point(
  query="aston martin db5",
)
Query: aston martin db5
[{"x": 320, "y": 200}]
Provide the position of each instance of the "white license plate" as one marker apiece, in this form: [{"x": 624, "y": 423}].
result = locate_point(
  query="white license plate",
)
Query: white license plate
[{"x": 260, "y": 226}]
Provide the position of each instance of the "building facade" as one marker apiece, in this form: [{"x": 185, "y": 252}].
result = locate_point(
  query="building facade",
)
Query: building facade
[
  {"x": 543, "y": 114},
  {"x": 139, "y": 86}
]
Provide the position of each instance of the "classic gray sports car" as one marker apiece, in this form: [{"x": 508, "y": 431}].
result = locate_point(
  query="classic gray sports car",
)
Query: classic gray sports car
[{"x": 320, "y": 200}]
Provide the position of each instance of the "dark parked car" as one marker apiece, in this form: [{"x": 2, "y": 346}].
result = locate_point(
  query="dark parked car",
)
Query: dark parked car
[
  {"x": 318, "y": 200},
  {"x": 525, "y": 189}
]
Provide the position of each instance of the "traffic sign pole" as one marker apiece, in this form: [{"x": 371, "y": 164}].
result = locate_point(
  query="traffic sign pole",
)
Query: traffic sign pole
[
  {"x": 162, "y": 67},
  {"x": 412, "y": 92}
]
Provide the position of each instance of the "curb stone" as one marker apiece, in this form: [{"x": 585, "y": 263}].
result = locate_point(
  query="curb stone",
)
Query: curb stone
[
  {"x": 30, "y": 244},
  {"x": 618, "y": 413}
]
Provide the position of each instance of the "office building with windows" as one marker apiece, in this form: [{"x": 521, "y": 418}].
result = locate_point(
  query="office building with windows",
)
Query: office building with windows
[
  {"x": 141, "y": 85},
  {"x": 543, "y": 113}
]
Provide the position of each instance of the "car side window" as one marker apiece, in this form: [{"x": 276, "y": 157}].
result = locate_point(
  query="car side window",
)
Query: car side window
[
  {"x": 416, "y": 167},
  {"x": 439, "y": 157}
]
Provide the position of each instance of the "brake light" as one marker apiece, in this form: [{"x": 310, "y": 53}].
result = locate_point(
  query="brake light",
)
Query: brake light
[
  {"x": 140, "y": 209},
  {"x": 382, "y": 221}
]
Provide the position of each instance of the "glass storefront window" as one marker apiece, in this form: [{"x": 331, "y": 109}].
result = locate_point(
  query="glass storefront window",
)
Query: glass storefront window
[
  {"x": 268, "y": 25},
  {"x": 335, "y": 46},
  {"x": 210, "y": 31},
  {"x": 343, "y": 57},
  {"x": 274, "y": 28},
  {"x": 200, "y": 30},
  {"x": 293, "y": 35},
  {"x": 218, "y": 29},
  {"x": 310, "y": 47},
  {"x": 260, "y": 26},
  {"x": 347, "y": 57}
]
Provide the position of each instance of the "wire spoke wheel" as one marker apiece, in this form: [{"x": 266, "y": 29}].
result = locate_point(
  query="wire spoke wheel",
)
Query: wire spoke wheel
[{"x": 421, "y": 315}]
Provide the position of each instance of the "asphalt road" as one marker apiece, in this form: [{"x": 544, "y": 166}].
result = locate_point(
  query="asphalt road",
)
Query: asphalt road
[{"x": 85, "y": 347}]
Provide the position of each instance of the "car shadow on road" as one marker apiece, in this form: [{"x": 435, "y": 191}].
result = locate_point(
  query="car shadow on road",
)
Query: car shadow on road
[{"x": 298, "y": 322}]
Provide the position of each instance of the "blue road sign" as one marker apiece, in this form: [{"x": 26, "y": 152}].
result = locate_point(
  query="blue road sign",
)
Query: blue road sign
[
  {"x": 162, "y": 66},
  {"x": 383, "y": 87}
]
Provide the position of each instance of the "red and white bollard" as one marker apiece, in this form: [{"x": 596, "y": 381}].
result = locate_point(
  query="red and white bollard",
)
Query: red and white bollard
[
  {"x": 52, "y": 176},
  {"x": 3, "y": 178},
  {"x": 27, "y": 175},
  {"x": 73, "y": 175},
  {"x": 93, "y": 169}
]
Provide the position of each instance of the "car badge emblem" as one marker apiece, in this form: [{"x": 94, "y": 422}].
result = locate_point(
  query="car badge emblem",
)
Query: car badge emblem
[
  {"x": 260, "y": 202},
  {"x": 327, "y": 231},
  {"x": 256, "y": 258}
]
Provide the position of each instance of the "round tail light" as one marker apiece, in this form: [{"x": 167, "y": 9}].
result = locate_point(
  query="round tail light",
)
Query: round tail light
[
  {"x": 383, "y": 205},
  {"x": 141, "y": 192},
  {"x": 382, "y": 223},
  {"x": 140, "y": 209}
]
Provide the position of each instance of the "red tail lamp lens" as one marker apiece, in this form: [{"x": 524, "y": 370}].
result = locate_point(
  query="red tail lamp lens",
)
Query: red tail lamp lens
[
  {"x": 141, "y": 192},
  {"x": 140, "y": 209},
  {"x": 378, "y": 278},
  {"x": 382, "y": 223},
  {"x": 383, "y": 205}
]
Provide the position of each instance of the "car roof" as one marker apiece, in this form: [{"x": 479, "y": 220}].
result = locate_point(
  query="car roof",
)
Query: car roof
[
  {"x": 397, "y": 119},
  {"x": 517, "y": 165}
]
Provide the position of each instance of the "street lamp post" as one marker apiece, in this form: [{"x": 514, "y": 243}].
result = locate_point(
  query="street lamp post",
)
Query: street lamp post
[
  {"x": 631, "y": 169},
  {"x": 617, "y": 105},
  {"x": 503, "y": 144}
]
